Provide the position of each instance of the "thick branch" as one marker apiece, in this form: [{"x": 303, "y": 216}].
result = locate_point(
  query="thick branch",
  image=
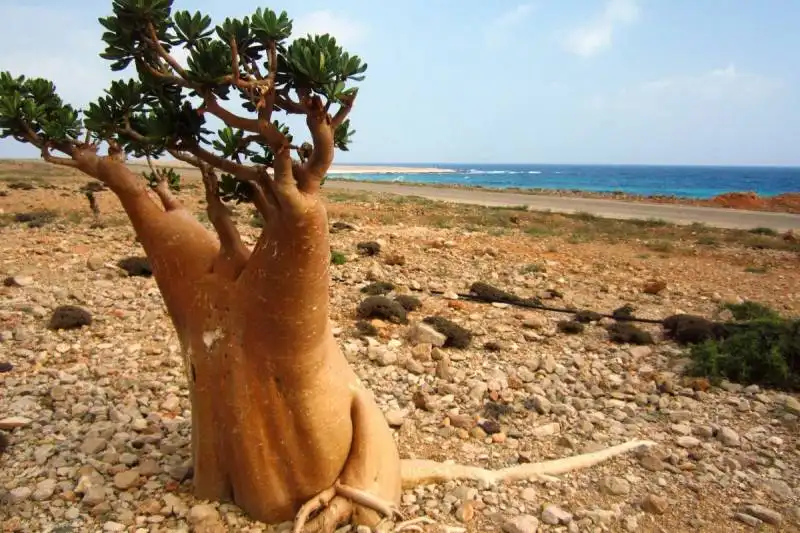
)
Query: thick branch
[
  {"x": 283, "y": 101},
  {"x": 164, "y": 54},
  {"x": 211, "y": 105},
  {"x": 171, "y": 78},
  {"x": 319, "y": 124},
  {"x": 264, "y": 196},
  {"x": 63, "y": 161},
  {"x": 128, "y": 130},
  {"x": 241, "y": 172},
  {"x": 186, "y": 158},
  {"x": 233, "y": 254},
  {"x": 344, "y": 110},
  {"x": 32, "y": 137},
  {"x": 168, "y": 200},
  {"x": 267, "y": 101}
]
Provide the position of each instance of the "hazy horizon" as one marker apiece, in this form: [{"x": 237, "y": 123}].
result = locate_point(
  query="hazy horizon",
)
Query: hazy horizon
[
  {"x": 600, "y": 82},
  {"x": 464, "y": 164}
]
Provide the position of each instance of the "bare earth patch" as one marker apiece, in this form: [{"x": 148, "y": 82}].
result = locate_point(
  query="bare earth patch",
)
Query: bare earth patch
[{"x": 103, "y": 436}]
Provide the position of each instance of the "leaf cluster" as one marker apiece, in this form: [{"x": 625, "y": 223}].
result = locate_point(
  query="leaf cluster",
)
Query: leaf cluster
[
  {"x": 162, "y": 108},
  {"x": 172, "y": 178},
  {"x": 30, "y": 107}
]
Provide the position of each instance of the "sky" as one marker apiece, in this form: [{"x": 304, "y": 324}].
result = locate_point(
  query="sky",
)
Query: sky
[{"x": 711, "y": 82}]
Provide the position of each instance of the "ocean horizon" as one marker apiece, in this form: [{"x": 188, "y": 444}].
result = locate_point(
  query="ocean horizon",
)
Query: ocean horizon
[{"x": 687, "y": 181}]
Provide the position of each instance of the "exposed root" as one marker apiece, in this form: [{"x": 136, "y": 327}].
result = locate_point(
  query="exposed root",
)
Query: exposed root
[
  {"x": 413, "y": 524},
  {"x": 351, "y": 495},
  {"x": 317, "y": 502},
  {"x": 422, "y": 472},
  {"x": 365, "y": 499},
  {"x": 339, "y": 511}
]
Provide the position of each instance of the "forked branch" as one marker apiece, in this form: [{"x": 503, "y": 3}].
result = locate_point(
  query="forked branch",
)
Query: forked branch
[
  {"x": 161, "y": 188},
  {"x": 344, "y": 110},
  {"x": 319, "y": 125},
  {"x": 233, "y": 254},
  {"x": 155, "y": 42},
  {"x": 240, "y": 171},
  {"x": 50, "y": 158},
  {"x": 211, "y": 105}
]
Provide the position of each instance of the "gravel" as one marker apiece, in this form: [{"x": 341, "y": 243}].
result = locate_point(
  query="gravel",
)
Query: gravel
[{"x": 98, "y": 417}]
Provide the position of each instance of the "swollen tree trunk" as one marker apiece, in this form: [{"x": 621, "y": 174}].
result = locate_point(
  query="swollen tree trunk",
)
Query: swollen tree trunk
[{"x": 278, "y": 416}]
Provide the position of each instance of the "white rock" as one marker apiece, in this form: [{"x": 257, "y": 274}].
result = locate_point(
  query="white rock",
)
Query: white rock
[
  {"x": 521, "y": 524},
  {"x": 202, "y": 514},
  {"x": 420, "y": 333},
  {"x": 19, "y": 494},
  {"x": 555, "y": 515},
  {"x": 13, "y": 422}
]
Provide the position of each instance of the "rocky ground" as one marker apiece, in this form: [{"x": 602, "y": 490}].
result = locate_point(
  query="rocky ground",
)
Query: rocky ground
[{"x": 100, "y": 415}]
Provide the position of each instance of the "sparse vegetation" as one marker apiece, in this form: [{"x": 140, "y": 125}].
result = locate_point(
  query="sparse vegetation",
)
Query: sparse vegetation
[
  {"x": 338, "y": 258},
  {"x": 533, "y": 268},
  {"x": 708, "y": 240},
  {"x": 36, "y": 219},
  {"x": 766, "y": 351},
  {"x": 750, "y": 310},
  {"x": 769, "y": 232},
  {"x": 761, "y": 347},
  {"x": 661, "y": 246}
]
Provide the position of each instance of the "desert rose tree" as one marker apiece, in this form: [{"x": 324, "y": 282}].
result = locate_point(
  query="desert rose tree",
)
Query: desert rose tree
[{"x": 281, "y": 425}]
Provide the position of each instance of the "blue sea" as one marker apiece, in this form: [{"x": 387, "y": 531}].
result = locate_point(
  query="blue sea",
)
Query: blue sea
[{"x": 683, "y": 181}]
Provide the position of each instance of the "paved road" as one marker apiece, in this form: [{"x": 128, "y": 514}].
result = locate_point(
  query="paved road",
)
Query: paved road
[{"x": 678, "y": 214}]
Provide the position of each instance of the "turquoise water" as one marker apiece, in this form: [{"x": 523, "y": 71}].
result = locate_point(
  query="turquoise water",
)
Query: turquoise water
[{"x": 684, "y": 181}]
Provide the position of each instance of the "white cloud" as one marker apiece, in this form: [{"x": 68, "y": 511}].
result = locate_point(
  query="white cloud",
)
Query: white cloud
[
  {"x": 726, "y": 88},
  {"x": 348, "y": 32},
  {"x": 499, "y": 29},
  {"x": 593, "y": 38},
  {"x": 721, "y": 115},
  {"x": 69, "y": 59}
]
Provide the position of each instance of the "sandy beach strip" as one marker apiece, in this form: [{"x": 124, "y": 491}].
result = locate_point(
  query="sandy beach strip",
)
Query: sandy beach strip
[
  {"x": 380, "y": 169},
  {"x": 335, "y": 169}
]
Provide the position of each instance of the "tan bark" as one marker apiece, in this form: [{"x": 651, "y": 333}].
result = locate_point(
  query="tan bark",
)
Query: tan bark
[{"x": 278, "y": 416}]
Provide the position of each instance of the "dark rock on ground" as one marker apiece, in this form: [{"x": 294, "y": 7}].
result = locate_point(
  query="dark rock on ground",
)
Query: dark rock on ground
[
  {"x": 69, "y": 317},
  {"x": 369, "y": 248},
  {"x": 489, "y": 293},
  {"x": 366, "y": 329},
  {"x": 383, "y": 308},
  {"x": 570, "y": 327},
  {"x": 136, "y": 266},
  {"x": 378, "y": 288},
  {"x": 457, "y": 336},
  {"x": 627, "y": 333},
  {"x": 409, "y": 303},
  {"x": 691, "y": 329},
  {"x": 586, "y": 316}
]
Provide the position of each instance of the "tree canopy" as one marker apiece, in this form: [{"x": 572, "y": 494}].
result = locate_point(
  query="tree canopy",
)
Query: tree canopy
[{"x": 163, "y": 109}]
